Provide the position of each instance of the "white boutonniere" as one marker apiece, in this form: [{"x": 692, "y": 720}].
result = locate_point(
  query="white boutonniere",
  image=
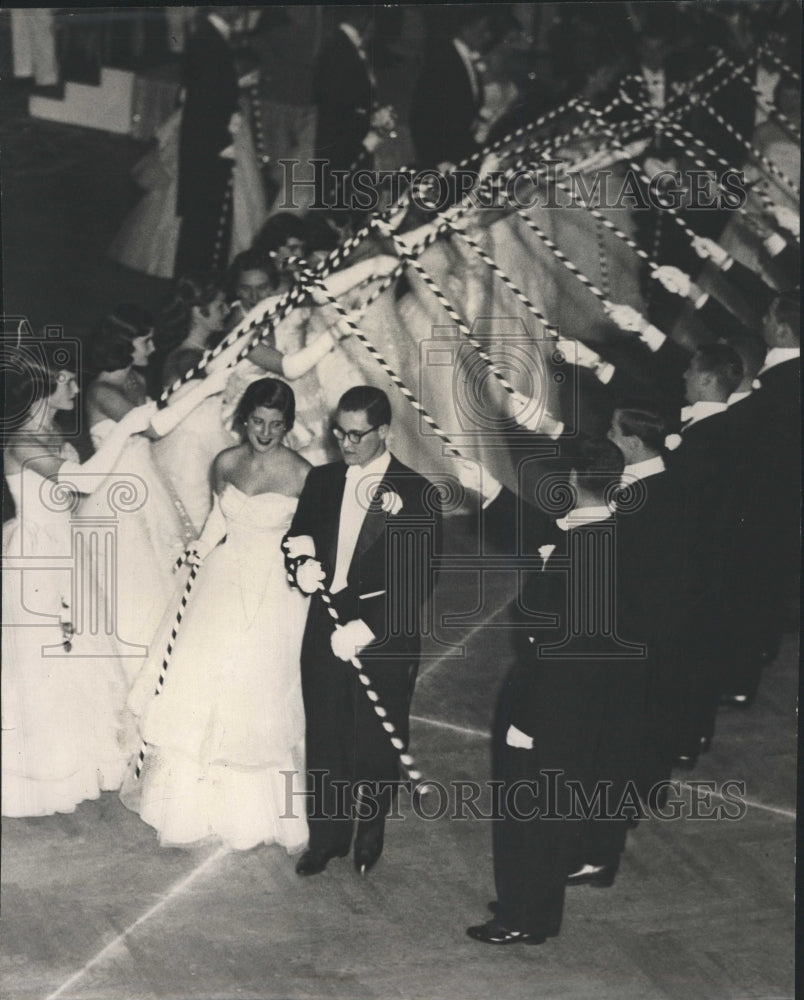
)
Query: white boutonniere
[
  {"x": 391, "y": 503},
  {"x": 672, "y": 441}
]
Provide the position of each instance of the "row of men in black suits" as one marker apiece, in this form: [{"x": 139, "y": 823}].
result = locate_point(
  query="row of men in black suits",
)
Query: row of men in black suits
[{"x": 645, "y": 610}]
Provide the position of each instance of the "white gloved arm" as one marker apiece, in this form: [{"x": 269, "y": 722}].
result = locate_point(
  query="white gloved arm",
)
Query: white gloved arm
[
  {"x": 300, "y": 362},
  {"x": 213, "y": 532},
  {"x": 103, "y": 461},
  {"x": 709, "y": 250},
  {"x": 786, "y": 218},
  {"x": 347, "y": 640},
  {"x": 164, "y": 421},
  {"x": 297, "y": 546},
  {"x": 579, "y": 354},
  {"x": 628, "y": 319}
]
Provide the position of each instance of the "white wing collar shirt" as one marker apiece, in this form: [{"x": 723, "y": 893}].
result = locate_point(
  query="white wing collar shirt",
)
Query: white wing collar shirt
[{"x": 353, "y": 513}]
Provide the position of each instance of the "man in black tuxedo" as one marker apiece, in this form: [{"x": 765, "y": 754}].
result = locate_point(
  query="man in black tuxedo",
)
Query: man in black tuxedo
[
  {"x": 570, "y": 710},
  {"x": 649, "y": 547},
  {"x": 702, "y": 473},
  {"x": 766, "y": 443},
  {"x": 449, "y": 92},
  {"x": 349, "y": 126},
  {"x": 347, "y": 514},
  {"x": 211, "y": 95}
]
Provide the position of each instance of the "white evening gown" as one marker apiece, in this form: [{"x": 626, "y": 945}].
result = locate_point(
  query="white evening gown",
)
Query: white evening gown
[
  {"x": 67, "y": 735},
  {"x": 153, "y": 530},
  {"x": 229, "y": 719}
]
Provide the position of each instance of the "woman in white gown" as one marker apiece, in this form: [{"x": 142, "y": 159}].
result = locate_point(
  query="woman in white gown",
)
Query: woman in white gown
[
  {"x": 186, "y": 455},
  {"x": 65, "y": 733},
  {"x": 225, "y": 756},
  {"x": 156, "y": 529}
]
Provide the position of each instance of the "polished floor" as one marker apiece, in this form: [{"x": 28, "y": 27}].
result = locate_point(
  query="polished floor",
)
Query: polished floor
[{"x": 92, "y": 908}]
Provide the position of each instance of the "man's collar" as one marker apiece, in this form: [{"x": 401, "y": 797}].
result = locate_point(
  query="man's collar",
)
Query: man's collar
[
  {"x": 641, "y": 470},
  {"x": 583, "y": 515},
  {"x": 376, "y": 467},
  {"x": 700, "y": 411},
  {"x": 778, "y": 355},
  {"x": 736, "y": 397},
  {"x": 221, "y": 26}
]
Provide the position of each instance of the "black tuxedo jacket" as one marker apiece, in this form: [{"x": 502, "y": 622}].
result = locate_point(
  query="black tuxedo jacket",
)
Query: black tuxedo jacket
[
  {"x": 444, "y": 109},
  {"x": 383, "y": 586},
  {"x": 211, "y": 98},
  {"x": 343, "y": 94}
]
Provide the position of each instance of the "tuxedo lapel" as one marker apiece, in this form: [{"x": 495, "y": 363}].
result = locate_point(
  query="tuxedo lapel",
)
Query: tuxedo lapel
[{"x": 331, "y": 516}]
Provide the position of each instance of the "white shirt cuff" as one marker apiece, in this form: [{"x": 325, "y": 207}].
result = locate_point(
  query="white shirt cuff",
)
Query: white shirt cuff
[
  {"x": 775, "y": 244},
  {"x": 701, "y": 301},
  {"x": 604, "y": 372},
  {"x": 653, "y": 337}
]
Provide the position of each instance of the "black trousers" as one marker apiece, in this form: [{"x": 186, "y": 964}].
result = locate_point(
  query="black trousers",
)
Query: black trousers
[
  {"x": 586, "y": 730},
  {"x": 346, "y": 743},
  {"x": 206, "y": 227}
]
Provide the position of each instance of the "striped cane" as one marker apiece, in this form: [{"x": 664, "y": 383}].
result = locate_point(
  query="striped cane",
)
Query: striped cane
[
  {"x": 168, "y": 653},
  {"x": 398, "y": 744}
]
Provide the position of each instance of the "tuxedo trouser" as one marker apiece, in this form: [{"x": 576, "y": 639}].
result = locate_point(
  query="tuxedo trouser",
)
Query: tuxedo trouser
[
  {"x": 206, "y": 224},
  {"x": 346, "y": 744},
  {"x": 585, "y": 728}
]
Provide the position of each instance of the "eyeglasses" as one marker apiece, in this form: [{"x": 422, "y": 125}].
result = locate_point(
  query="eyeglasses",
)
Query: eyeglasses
[{"x": 355, "y": 437}]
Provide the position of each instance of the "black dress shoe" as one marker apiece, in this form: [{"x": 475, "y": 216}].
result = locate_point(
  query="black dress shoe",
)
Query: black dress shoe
[
  {"x": 740, "y": 701},
  {"x": 368, "y": 848},
  {"x": 492, "y": 933},
  {"x": 602, "y": 876},
  {"x": 313, "y": 862}
]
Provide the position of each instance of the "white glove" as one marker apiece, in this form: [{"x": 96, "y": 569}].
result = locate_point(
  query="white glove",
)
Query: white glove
[
  {"x": 516, "y": 738},
  {"x": 214, "y": 530},
  {"x": 708, "y": 249},
  {"x": 172, "y": 415},
  {"x": 626, "y": 318},
  {"x": 310, "y": 577},
  {"x": 347, "y": 640},
  {"x": 383, "y": 264},
  {"x": 673, "y": 279},
  {"x": 577, "y": 353},
  {"x": 473, "y": 476},
  {"x": 137, "y": 420},
  {"x": 528, "y": 414},
  {"x": 300, "y": 545},
  {"x": 787, "y": 218}
]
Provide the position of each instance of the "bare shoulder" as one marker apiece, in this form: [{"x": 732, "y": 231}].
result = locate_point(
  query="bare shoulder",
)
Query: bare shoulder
[
  {"x": 297, "y": 467},
  {"x": 225, "y": 463}
]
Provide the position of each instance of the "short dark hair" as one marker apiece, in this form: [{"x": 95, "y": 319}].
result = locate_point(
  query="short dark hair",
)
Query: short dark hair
[
  {"x": 253, "y": 259},
  {"x": 787, "y": 310},
  {"x": 723, "y": 362},
  {"x": 647, "y": 425},
  {"x": 599, "y": 457},
  {"x": 751, "y": 348},
  {"x": 271, "y": 393},
  {"x": 112, "y": 343},
  {"x": 278, "y": 230},
  {"x": 176, "y": 314},
  {"x": 367, "y": 398}
]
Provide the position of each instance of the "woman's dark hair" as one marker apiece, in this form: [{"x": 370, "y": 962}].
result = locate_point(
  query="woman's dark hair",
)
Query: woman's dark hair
[
  {"x": 111, "y": 347},
  {"x": 176, "y": 315},
  {"x": 254, "y": 259},
  {"x": 278, "y": 230},
  {"x": 273, "y": 395},
  {"x": 29, "y": 375}
]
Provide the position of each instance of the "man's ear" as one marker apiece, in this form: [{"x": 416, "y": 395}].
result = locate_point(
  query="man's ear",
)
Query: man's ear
[{"x": 382, "y": 431}]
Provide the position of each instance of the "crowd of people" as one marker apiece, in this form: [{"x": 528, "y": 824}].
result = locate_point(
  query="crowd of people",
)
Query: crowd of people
[{"x": 278, "y": 544}]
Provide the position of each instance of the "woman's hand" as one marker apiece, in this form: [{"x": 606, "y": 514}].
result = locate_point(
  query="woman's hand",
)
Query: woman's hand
[{"x": 137, "y": 420}]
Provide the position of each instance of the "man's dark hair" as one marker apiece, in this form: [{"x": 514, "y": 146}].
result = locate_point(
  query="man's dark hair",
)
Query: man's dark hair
[
  {"x": 787, "y": 309},
  {"x": 647, "y": 425},
  {"x": 751, "y": 348},
  {"x": 376, "y": 404},
  {"x": 271, "y": 393},
  {"x": 723, "y": 362}
]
